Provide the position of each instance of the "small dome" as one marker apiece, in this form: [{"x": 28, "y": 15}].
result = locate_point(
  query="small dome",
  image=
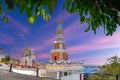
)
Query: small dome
[{"x": 28, "y": 51}]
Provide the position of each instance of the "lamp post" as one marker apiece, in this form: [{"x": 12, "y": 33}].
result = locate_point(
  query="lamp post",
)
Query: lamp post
[{"x": 116, "y": 77}]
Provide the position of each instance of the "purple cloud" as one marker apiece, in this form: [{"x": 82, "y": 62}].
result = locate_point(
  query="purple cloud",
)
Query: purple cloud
[
  {"x": 6, "y": 39},
  {"x": 43, "y": 56},
  {"x": 19, "y": 26},
  {"x": 108, "y": 39},
  {"x": 90, "y": 47}
]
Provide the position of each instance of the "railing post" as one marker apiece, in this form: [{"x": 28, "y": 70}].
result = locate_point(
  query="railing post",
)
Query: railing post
[
  {"x": 37, "y": 72},
  {"x": 81, "y": 76},
  {"x": 116, "y": 77},
  {"x": 10, "y": 68}
]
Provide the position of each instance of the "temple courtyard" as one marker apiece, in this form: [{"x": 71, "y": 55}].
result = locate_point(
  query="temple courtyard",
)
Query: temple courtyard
[{"x": 6, "y": 75}]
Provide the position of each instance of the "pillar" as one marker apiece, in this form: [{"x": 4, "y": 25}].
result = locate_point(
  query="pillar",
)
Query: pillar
[
  {"x": 62, "y": 73},
  {"x": 10, "y": 68},
  {"x": 37, "y": 72},
  {"x": 58, "y": 75},
  {"x": 81, "y": 76},
  {"x": 116, "y": 77}
]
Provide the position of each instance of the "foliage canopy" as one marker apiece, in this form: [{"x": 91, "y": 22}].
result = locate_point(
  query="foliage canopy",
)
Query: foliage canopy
[
  {"x": 109, "y": 70},
  {"x": 32, "y": 8},
  {"x": 97, "y": 13},
  {"x": 7, "y": 58}
]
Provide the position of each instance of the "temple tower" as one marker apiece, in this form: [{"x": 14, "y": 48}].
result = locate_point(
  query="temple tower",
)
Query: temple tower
[
  {"x": 29, "y": 56},
  {"x": 59, "y": 52}
]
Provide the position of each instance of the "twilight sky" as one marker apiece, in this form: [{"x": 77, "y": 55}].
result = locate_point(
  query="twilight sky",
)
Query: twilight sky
[{"x": 93, "y": 49}]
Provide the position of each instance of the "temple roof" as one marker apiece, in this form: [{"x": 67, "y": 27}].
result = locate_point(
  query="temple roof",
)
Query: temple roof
[
  {"x": 28, "y": 51},
  {"x": 59, "y": 28}
]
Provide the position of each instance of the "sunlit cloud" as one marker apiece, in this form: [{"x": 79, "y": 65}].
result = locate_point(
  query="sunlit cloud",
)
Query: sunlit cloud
[
  {"x": 21, "y": 29},
  {"x": 90, "y": 47},
  {"x": 43, "y": 56},
  {"x": 107, "y": 39},
  {"x": 6, "y": 39},
  {"x": 94, "y": 60}
]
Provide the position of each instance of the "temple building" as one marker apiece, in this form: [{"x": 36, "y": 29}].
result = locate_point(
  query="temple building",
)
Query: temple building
[
  {"x": 59, "y": 64},
  {"x": 2, "y": 56},
  {"x": 29, "y": 57},
  {"x": 59, "y": 52}
]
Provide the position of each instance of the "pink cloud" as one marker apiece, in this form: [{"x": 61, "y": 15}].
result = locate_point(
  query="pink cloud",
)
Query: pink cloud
[
  {"x": 57, "y": 17},
  {"x": 91, "y": 61},
  {"x": 43, "y": 56},
  {"x": 99, "y": 43},
  {"x": 90, "y": 47},
  {"x": 96, "y": 60},
  {"x": 107, "y": 39},
  {"x": 22, "y": 36},
  {"x": 19, "y": 26},
  {"x": 6, "y": 39},
  {"x": 39, "y": 47},
  {"x": 66, "y": 15},
  {"x": 50, "y": 41},
  {"x": 17, "y": 56},
  {"x": 74, "y": 28},
  {"x": 44, "y": 45},
  {"x": 22, "y": 29}
]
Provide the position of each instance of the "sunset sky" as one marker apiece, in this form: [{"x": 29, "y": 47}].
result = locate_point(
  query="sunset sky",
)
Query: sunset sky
[{"x": 93, "y": 49}]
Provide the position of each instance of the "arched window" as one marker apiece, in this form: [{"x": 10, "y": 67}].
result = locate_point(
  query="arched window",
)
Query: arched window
[
  {"x": 56, "y": 45},
  {"x": 55, "y": 58},
  {"x": 65, "y": 56}
]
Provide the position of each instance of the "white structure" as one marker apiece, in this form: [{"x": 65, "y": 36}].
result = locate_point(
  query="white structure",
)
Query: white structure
[
  {"x": 59, "y": 52},
  {"x": 2, "y": 56},
  {"x": 29, "y": 57},
  {"x": 27, "y": 72},
  {"x": 59, "y": 64},
  {"x": 73, "y": 77}
]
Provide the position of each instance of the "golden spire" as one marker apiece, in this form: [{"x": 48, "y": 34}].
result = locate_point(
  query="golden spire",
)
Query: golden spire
[
  {"x": 59, "y": 27},
  {"x": 59, "y": 21}
]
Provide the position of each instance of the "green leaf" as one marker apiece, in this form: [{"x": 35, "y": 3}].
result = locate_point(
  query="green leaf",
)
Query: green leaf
[
  {"x": 87, "y": 29},
  {"x": 47, "y": 17},
  {"x": 82, "y": 19},
  {"x": 28, "y": 11},
  {"x": 5, "y": 19},
  {"x": 22, "y": 8},
  {"x": 0, "y": 10},
  {"x": 31, "y": 20},
  {"x": 88, "y": 20},
  {"x": 51, "y": 5},
  {"x": 38, "y": 13},
  {"x": 43, "y": 12}
]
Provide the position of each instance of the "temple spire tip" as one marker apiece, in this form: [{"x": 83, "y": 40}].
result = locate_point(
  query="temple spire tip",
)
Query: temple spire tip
[{"x": 59, "y": 21}]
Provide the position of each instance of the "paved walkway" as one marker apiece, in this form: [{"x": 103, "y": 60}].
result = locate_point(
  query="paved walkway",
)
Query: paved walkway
[{"x": 5, "y": 75}]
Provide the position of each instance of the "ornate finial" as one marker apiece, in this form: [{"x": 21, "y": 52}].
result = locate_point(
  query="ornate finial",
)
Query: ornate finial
[{"x": 59, "y": 21}]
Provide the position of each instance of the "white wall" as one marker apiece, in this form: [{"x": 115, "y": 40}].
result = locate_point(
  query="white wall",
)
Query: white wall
[
  {"x": 27, "y": 72},
  {"x": 1, "y": 57},
  {"x": 42, "y": 73},
  {"x": 72, "y": 77},
  {"x": 5, "y": 67}
]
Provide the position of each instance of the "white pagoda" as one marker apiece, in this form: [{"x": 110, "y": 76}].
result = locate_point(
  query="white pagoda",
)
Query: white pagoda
[{"x": 59, "y": 64}]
